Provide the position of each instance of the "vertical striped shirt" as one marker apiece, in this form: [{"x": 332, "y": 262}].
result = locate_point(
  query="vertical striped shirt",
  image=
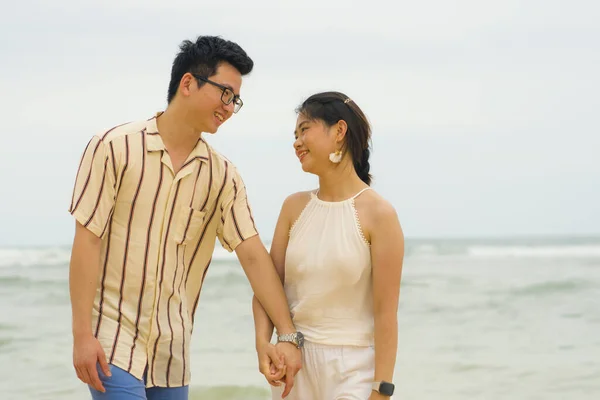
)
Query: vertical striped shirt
[{"x": 158, "y": 233}]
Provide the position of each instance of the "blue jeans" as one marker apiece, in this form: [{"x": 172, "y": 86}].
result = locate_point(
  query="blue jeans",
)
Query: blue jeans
[{"x": 124, "y": 386}]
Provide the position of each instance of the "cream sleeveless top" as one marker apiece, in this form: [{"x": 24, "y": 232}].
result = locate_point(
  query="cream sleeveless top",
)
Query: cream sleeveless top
[{"x": 328, "y": 279}]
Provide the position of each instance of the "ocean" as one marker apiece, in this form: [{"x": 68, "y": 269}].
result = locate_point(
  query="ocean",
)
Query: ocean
[{"x": 478, "y": 319}]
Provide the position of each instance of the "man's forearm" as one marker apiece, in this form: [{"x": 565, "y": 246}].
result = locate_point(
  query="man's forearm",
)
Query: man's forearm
[
  {"x": 263, "y": 326},
  {"x": 83, "y": 280},
  {"x": 386, "y": 346}
]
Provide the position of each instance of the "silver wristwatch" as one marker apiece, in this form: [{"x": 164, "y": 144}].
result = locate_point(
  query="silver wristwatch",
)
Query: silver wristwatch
[{"x": 296, "y": 338}]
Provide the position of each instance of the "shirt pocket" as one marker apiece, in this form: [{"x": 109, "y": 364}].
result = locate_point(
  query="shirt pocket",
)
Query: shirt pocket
[{"x": 188, "y": 225}]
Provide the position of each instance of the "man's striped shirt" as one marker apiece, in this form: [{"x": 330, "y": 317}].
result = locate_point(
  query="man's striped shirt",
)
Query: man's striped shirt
[{"x": 158, "y": 234}]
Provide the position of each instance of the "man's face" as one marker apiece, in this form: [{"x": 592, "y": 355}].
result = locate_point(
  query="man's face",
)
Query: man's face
[{"x": 205, "y": 107}]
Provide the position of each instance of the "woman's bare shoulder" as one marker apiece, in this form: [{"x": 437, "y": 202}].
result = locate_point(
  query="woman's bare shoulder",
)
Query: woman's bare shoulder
[
  {"x": 374, "y": 210},
  {"x": 295, "y": 203}
]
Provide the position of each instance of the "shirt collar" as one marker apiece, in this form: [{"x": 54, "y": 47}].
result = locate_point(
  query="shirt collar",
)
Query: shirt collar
[{"x": 155, "y": 143}]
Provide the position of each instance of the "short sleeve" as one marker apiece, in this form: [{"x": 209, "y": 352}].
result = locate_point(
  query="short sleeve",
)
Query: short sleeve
[
  {"x": 236, "y": 223},
  {"x": 94, "y": 193}
]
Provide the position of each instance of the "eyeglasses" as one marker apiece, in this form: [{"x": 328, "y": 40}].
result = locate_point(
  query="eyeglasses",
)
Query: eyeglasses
[{"x": 227, "y": 95}]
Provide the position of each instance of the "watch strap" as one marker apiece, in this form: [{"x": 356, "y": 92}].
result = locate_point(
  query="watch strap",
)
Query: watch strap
[
  {"x": 375, "y": 386},
  {"x": 384, "y": 388}
]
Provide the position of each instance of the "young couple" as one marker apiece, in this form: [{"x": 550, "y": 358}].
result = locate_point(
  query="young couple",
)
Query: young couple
[{"x": 150, "y": 199}]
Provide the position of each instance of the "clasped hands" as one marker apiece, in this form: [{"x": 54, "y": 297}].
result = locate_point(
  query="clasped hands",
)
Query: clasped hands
[{"x": 279, "y": 364}]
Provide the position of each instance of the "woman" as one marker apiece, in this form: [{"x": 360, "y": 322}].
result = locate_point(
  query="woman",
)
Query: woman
[{"x": 339, "y": 252}]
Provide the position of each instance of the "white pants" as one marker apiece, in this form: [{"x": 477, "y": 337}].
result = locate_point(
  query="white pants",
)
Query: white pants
[{"x": 332, "y": 373}]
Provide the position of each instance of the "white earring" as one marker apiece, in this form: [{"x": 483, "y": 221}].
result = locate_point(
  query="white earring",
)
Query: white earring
[{"x": 336, "y": 157}]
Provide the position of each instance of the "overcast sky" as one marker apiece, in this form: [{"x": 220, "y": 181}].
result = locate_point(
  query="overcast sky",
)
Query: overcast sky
[{"x": 485, "y": 113}]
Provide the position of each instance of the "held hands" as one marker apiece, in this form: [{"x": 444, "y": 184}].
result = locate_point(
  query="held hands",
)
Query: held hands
[
  {"x": 271, "y": 364},
  {"x": 279, "y": 363},
  {"x": 292, "y": 357}
]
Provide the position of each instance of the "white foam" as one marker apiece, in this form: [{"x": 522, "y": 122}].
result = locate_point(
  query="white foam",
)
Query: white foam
[
  {"x": 425, "y": 250},
  {"x": 566, "y": 251},
  {"x": 30, "y": 257},
  {"x": 26, "y": 257}
]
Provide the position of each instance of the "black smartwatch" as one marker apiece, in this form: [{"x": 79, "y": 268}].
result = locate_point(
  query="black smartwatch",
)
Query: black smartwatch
[{"x": 384, "y": 388}]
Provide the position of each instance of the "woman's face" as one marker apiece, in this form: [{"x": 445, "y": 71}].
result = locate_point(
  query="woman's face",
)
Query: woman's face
[{"x": 314, "y": 142}]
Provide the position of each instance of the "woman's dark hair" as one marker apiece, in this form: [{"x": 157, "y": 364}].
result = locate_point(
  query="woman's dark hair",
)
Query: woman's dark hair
[
  {"x": 203, "y": 57},
  {"x": 331, "y": 107}
]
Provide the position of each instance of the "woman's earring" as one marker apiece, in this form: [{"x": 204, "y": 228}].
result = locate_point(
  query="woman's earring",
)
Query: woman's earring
[{"x": 335, "y": 157}]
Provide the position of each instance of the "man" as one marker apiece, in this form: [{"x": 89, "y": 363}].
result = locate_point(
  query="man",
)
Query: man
[{"x": 150, "y": 199}]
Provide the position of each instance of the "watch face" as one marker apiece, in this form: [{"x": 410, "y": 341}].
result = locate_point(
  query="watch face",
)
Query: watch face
[
  {"x": 386, "y": 388},
  {"x": 300, "y": 338}
]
